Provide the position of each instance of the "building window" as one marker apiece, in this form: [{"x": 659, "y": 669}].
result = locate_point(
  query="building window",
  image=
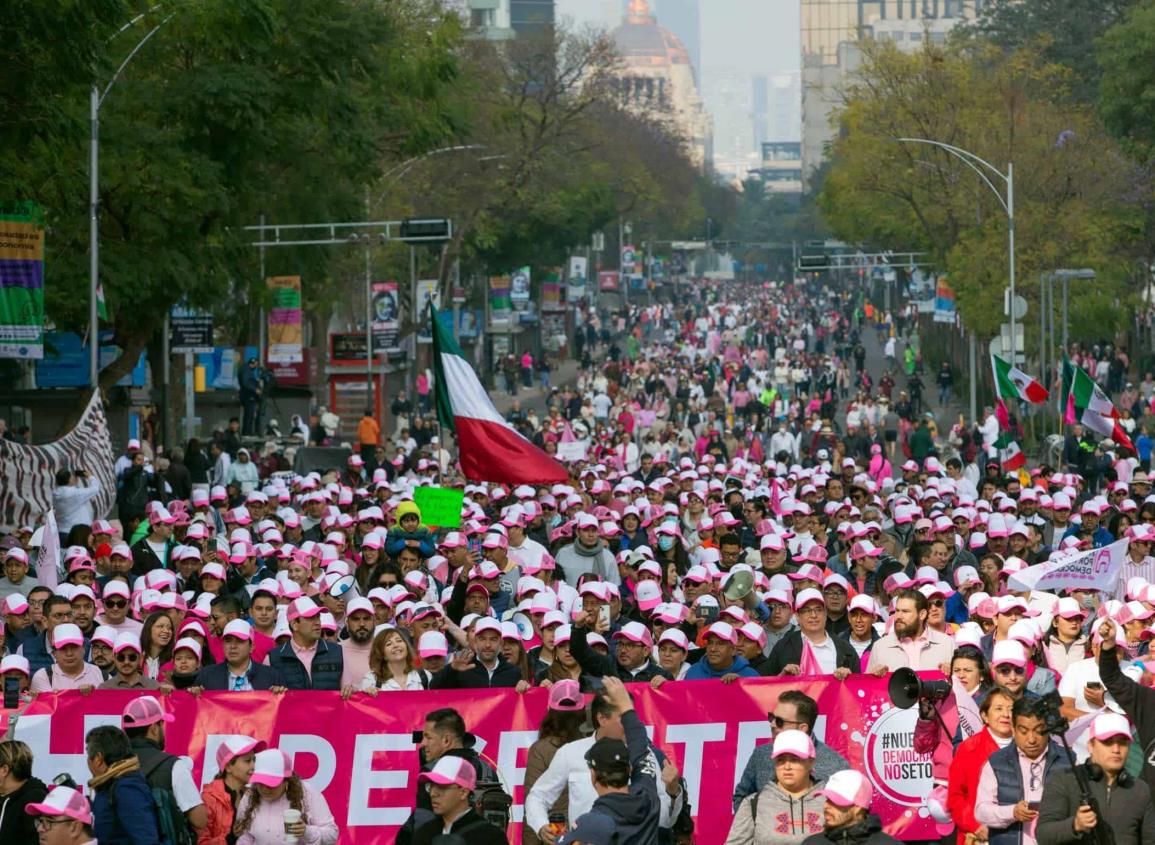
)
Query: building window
[{"x": 483, "y": 18}]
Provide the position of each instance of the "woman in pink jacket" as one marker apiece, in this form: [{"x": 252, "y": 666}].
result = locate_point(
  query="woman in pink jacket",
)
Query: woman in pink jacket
[{"x": 274, "y": 788}]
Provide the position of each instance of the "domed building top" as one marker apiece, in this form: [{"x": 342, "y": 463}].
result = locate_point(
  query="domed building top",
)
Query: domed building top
[{"x": 643, "y": 42}]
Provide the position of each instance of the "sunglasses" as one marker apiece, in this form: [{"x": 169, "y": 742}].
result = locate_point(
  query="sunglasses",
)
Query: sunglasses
[
  {"x": 127, "y": 657},
  {"x": 780, "y": 723},
  {"x": 1008, "y": 669},
  {"x": 117, "y": 604},
  {"x": 937, "y": 603}
]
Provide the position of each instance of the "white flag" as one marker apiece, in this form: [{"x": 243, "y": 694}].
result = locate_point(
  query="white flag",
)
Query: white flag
[{"x": 48, "y": 559}]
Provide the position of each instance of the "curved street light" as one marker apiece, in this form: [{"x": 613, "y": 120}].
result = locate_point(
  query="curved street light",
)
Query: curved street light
[
  {"x": 985, "y": 171},
  {"x": 96, "y": 100}
]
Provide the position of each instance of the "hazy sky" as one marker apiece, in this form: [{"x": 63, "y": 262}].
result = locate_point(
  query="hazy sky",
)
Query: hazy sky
[{"x": 749, "y": 36}]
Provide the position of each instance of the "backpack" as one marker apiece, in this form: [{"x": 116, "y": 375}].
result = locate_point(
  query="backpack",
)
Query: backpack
[
  {"x": 490, "y": 799},
  {"x": 171, "y": 823}
]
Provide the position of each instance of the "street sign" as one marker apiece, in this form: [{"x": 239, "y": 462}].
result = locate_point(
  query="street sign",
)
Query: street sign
[
  {"x": 190, "y": 330},
  {"x": 1020, "y": 305},
  {"x": 1001, "y": 345}
]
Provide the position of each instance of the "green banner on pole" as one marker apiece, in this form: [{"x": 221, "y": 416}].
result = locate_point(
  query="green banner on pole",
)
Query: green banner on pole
[
  {"x": 21, "y": 280},
  {"x": 440, "y": 506}
]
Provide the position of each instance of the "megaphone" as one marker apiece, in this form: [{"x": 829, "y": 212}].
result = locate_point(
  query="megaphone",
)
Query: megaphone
[
  {"x": 740, "y": 587},
  {"x": 906, "y": 689},
  {"x": 524, "y": 626},
  {"x": 344, "y": 588}
]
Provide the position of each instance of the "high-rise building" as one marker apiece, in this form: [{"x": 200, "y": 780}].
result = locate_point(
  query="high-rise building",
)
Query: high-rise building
[
  {"x": 656, "y": 79},
  {"x": 832, "y": 31},
  {"x": 531, "y": 17},
  {"x": 760, "y": 109}
]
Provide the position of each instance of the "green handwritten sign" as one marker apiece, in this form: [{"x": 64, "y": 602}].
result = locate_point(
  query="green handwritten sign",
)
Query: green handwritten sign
[{"x": 440, "y": 506}]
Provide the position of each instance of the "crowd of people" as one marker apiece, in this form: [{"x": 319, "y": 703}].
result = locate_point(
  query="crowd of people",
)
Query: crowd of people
[{"x": 738, "y": 507}]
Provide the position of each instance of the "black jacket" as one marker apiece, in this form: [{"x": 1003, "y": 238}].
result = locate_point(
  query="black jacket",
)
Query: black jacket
[
  {"x": 635, "y": 813},
  {"x": 262, "y": 677},
  {"x": 471, "y": 828},
  {"x": 1137, "y": 701},
  {"x": 505, "y": 675},
  {"x": 144, "y": 559},
  {"x": 788, "y": 650},
  {"x": 15, "y": 824},
  {"x": 866, "y": 832},
  {"x": 600, "y": 665},
  {"x": 1126, "y": 808}
]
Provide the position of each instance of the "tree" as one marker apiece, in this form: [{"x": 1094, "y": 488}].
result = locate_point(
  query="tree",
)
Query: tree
[
  {"x": 233, "y": 108},
  {"x": 1071, "y": 179},
  {"x": 1064, "y": 31}
]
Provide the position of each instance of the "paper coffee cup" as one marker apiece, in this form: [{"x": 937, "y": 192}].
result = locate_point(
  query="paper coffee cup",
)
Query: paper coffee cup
[{"x": 291, "y": 817}]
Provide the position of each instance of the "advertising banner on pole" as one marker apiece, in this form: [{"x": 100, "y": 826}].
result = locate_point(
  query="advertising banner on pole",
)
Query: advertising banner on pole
[
  {"x": 608, "y": 281},
  {"x": 21, "y": 280},
  {"x": 519, "y": 289},
  {"x": 386, "y": 316},
  {"x": 284, "y": 345},
  {"x": 428, "y": 291},
  {"x": 552, "y": 292},
  {"x": 499, "y": 304},
  {"x": 577, "y": 278},
  {"x": 360, "y": 753}
]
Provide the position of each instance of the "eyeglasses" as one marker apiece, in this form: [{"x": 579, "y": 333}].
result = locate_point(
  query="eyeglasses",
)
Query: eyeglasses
[
  {"x": 811, "y": 610},
  {"x": 118, "y": 604},
  {"x": 1009, "y": 669},
  {"x": 238, "y": 683},
  {"x": 1036, "y": 775},
  {"x": 44, "y": 823},
  {"x": 127, "y": 657}
]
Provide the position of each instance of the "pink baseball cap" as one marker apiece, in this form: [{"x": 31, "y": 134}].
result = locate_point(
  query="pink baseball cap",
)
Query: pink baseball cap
[
  {"x": 797, "y": 743},
  {"x": 303, "y": 608},
  {"x": 1107, "y": 725},
  {"x": 235, "y": 746},
  {"x": 675, "y": 637},
  {"x": 648, "y": 596},
  {"x": 723, "y": 631},
  {"x": 62, "y": 801},
  {"x": 636, "y": 632},
  {"x": 433, "y": 644},
  {"x": 566, "y": 696},
  {"x": 808, "y": 596},
  {"x": 238, "y": 629},
  {"x": 15, "y": 604},
  {"x": 848, "y": 788},
  {"x": 190, "y": 644},
  {"x": 144, "y": 711},
  {"x": 1009, "y": 651},
  {"x": 486, "y": 623},
  {"x": 451, "y": 770},
  {"x": 67, "y": 634},
  {"x": 271, "y": 767}
]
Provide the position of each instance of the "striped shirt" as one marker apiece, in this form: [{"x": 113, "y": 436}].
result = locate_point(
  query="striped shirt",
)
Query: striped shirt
[{"x": 1143, "y": 569}]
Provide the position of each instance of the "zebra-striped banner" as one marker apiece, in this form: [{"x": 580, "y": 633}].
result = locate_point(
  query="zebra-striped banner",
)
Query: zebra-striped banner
[{"x": 28, "y": 473}]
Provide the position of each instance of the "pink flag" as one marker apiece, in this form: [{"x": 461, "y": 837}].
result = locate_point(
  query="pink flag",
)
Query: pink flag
[
  {"x": 774, "y": 502},
  {"x": 809, "y": 664},
  {"x": 1002, "y": 415},
  {"x": 1069, "y": 417}
]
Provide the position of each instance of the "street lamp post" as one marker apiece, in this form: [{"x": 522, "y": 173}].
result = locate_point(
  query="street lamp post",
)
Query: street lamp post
[
  {"x": 984, "y": 169},
  {"x": 95, "y": 101}
]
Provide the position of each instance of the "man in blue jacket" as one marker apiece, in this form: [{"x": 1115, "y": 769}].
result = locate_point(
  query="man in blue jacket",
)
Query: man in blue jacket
[
  {"x": 306, "y": 661},
  {"x": 239, "y": 672},
  {"x": 122, "y": 805},
  {"x": 721, "y": 660}
]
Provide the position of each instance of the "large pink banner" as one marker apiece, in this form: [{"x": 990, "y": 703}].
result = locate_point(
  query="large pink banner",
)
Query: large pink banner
[{"x": 360, "y": 752}]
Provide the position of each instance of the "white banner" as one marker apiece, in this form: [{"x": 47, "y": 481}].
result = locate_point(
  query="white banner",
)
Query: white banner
[
  {"x": 576, "y": 277},
  {"x": 574, "y": 450},
  {"x": 1097, "y": 569}
]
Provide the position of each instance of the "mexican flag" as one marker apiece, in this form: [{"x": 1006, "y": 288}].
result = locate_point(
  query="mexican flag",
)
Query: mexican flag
[
  {"x": 489, "y": 448},
  {"x": 1013, "y": 383},
  {"x": 1089, "y": 405},
  {"x": 1011, "y": 457}
]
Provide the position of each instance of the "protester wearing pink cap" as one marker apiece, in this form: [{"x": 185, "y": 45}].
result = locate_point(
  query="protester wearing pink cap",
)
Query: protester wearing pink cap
[
  {"x": 809, "y": 649},
  {"x": 235, "y": 759},
  {"x": 794, "y": 786},
  {"x": 849, "y": 796},
  {"x": 262, "y": 816},
  {"x": 64, "y": 817},
  {"x": 69, "y": 669}
]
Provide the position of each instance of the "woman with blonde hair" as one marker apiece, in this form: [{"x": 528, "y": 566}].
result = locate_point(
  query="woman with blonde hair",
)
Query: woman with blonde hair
[{"x": 392, "y": 665}]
